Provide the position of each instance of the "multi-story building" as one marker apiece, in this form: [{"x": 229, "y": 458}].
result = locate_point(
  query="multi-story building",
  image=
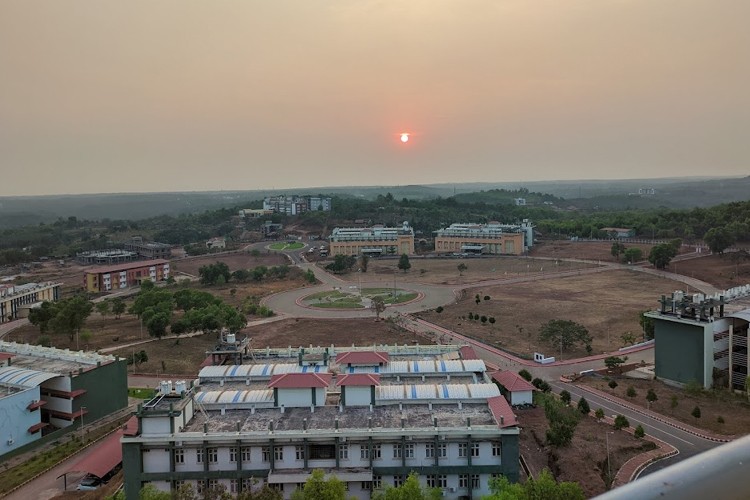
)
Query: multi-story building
[
  {"x": 368, "y": 417},
  {"x": 149, "y": 249},
  {"x": 16, "y": 300},
  {"x": 703, "y": 339},
  {"x": 116, "y": 277},
  {"x": 45, "y": 391},
  {"x": 375, "y": 240},
  {"x": 491, "y": 238},
  {"x": 294, "y": 205},
  {"x": 105, "y": 257}
]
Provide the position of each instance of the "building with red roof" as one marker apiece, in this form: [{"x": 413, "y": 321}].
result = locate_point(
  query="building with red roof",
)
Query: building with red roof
[
  {"x": 125, "y": 275},
  {"x": 362, "y": 358},
  {"x": 358, "y": 389},
  {"x": 516, "y": 389},
  {"x": 292, "y": 390}
]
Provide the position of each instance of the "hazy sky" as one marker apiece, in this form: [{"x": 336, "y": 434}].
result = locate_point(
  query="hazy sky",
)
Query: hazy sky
[{"x": 155, "y": 95}]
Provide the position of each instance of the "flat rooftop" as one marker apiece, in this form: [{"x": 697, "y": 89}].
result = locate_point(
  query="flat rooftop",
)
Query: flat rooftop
[
  {"x": 323, "y": 418},
  {"x": 49, "y": 359}
]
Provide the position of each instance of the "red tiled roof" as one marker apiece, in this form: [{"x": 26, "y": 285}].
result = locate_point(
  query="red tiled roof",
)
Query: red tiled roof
[
  {"x": 5, "y": 355},
  {"x": 467, "y": 352},
  {"x": 361, "y": 379},
  {"x": 131, "y": 426},
  {"x": 126, "y": 266},
  {"x": 512, "y": 381},
  {"x": 362, "y": 358},
  {"x": 300, "y": 380},
  {"x": 502, "y": 412},
  {"x": 103, "y": 458}
]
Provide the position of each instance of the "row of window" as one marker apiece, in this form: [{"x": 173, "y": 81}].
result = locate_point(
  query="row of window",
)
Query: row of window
[
  {"x": 432, "y": 480},
  {"x": 328, "y": 452}
]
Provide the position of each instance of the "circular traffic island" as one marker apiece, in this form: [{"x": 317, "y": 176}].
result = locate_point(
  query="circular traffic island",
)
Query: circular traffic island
[
  {"x": 351, "y": 298},
  {"x": 286, "y": 245}
]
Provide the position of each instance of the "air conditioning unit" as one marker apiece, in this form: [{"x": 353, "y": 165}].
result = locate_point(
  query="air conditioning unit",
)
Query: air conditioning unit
[
  {"x": 10, "y": 441},
  {"x": 452, "y": 489}
]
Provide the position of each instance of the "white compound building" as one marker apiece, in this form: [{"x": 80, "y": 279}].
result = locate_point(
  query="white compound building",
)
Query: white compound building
[{"x": 368, "y": 416}]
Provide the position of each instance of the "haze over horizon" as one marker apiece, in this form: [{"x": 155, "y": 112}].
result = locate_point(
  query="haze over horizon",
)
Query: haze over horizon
[{"x": 99, "y": 97}]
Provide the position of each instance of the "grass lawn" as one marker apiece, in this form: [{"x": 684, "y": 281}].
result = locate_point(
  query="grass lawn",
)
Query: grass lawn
[
  {"x": 287, "y": 246},
  {"x": 140, "y": 393},
  {"x": 337, "y": 299}
]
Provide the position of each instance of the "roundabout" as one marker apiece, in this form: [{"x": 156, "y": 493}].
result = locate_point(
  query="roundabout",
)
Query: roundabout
[{"x": 353, "y": 298}]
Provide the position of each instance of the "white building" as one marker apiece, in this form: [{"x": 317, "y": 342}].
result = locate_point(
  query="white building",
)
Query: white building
[
  {"x": 217, "y": 242},
  {"x": 369, "y": 423}
]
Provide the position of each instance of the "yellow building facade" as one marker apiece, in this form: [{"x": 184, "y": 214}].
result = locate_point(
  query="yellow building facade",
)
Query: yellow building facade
[
  {"x": 376, "y": 240},
  {"x": 492, "y": 238},
  {"x": 16, "y": 300}
]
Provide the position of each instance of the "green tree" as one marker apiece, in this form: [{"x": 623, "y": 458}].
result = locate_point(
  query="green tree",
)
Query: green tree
[
  {"x": 647, "y": 324},
  {"x": 696, "y": 413},
  {"x": 410, "y": 490},
  {"x": 639, "y": 432},
  {"x": 103, "y": 307},
  {"x": 565, "y": 397},
  {"x": 651, "y": 397},
  {"x": 157, "y": 324},
  {"x": 561, "y": 420},
  {"x": 673, "y": 403},
  {"x": 71, "y": 316},
  {"x": 364, "y": 260},
  {"x": 317, "y": 487},
  {"x": 310, "y": 276},
  {"x": 621, "y": 422},
  {"x": 614, "y": 362},
  {"x": 583, "y": 406},
  {"x": 661, "y": 255},
  {"x": 633, "y": 254},
  {"x": 378, "y": 305},
  {"x": 718, "y": 239},
  {"x": 403, "y": 263},
  {"x": 543, "y": 487},
  {"x": 565, "y": 333},
  {"x": 524, "y": 373},
  {"x": 612, "y": 385},
  {"x": 599, "y": 414},
  {"x": 42, "y": 315},
  {"x": 617, "y": 249},
  {"x": 631, "y": 392},
  {"x": 211, "y": 274},
  {"x": 461, "y": 268},
  {"x": 118, "y": 307}
]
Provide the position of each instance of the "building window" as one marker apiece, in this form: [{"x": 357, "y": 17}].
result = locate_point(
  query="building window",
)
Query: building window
[
  {"x": 366, "y": 486},
  {"x": 376, "y": 452},
  {"x": 398, "y": 451},
  {"x": 462, "y": 450},
  {"x": 474, "y": 449},
  {"x": 299, "y": 452},
  {"x": 377, "y": 482},
  {"x": 431, "y": 481},
  {"x": 496, "y": 449},
  {"x": 364, "y": 452},
  {"x": 398, "y": 481},
  {"x": 178, "y": 484},
  {"x": 463, "y": 481},
  {"x": 277, "y": 486},
  {"x": 322, "y": 451},
  {"x": 442, "y": 450},
  {"x": 429, "y": 450},
  {"x": 343, "y": 452},
  {"x": 200, "y": 486},
  {"x": 213, "y": 484},
  {"x": 247, "y": 483},
  {"x": 179, "y": 456},
  {"x": 232, "y": 454},
  {"x": 245, "y": 454},
  {"x": 265, "y": 451},
  {"x": 475, "y": 481},
  {"x": 213, "y": 455},
  {"x": 233, "y": 483},
  {"x": 199, "y": 455},
  {"x": 409, "y": 450},
  {"x": 442, "y": 481},
  {"x": 278, "y": 453}
]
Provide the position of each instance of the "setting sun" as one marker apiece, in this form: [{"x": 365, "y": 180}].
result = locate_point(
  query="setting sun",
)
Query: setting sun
[{"x": 404, "y": 137}]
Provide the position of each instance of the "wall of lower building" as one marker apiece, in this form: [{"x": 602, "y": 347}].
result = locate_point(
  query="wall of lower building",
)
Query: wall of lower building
[
  {"x": 106, "y": 389},
  {"x": 402, "y": 245},
  {"x": 680, "y": 352},
  {"x": 15, "y": 420},
  {"x": 508, "y": 243}
]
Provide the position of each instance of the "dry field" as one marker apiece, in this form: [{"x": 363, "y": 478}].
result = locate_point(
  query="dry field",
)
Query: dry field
[
  {"x": 722, "y": 271},
  {"x": 235, "y": 261},
  {"x": 607, "y": 304},
  {"x": 182, "y": 356},
  {"x": 589, "y": 250},
  {"x": 445, "y": 271},
  {"x": 734, "y": 409},
  {"x": 584, "y": 461}
]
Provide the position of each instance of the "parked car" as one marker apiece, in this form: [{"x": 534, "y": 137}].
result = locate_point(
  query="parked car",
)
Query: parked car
[{"x": 89, "y": 483}]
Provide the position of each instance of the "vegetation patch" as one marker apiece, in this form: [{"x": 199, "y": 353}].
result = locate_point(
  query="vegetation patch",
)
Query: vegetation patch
[{"x": 295, "y": 245}]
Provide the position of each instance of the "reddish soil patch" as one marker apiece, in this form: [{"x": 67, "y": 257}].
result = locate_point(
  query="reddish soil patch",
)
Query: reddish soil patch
[
  {"x": 585, "y": 460},
  {"x": 589, "y": 250},
  {"x": 733, "y": 408},
  {"x": 445, "y": 271},
  {"x": 608, "y": 304},
  {"x": 722, "y": 271},
  {"x": 235, "y": 261}
]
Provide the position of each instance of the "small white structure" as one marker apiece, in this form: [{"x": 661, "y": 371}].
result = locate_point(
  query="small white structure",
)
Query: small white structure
[
  {"x": 217, "y": 242},
  {"x": 514, "y": 387}
]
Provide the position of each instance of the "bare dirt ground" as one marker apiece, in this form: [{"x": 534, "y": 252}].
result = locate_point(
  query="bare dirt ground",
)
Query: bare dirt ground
[
  {"x": 734, "y": 409},
  {"x": 722, "y": 271},
  {"x": 589, "y": 250},
  {"x": 608, "y": 304},
  {"x": 585, "y": 460},
  {"x": 235, "y": 261},
  {"x": 183, "y": 356},
  {"x": 70, "y": 275},
  {"x": 445, "y": 271}
]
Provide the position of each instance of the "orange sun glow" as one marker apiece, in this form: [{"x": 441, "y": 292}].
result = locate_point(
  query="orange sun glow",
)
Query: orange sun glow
[{"x": 404, "y": 137}]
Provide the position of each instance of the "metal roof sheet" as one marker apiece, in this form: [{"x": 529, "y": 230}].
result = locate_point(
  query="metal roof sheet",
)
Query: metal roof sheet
[
  {"x": 436, "y": 391},
  {"x": 23, "y": 377}
]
